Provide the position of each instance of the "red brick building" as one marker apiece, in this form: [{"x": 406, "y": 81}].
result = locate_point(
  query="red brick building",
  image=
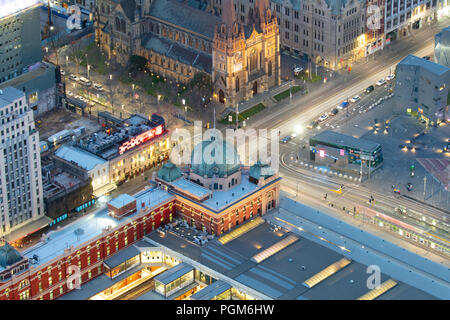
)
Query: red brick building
[{"x": 211, "y": 196}]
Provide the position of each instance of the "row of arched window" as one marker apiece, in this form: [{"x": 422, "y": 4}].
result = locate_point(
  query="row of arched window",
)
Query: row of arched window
[{"x": 121, "y": 25}]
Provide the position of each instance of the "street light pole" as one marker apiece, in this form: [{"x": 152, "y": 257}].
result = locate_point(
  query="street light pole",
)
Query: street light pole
[
  {"x": 111, "y": 93},
  {"x": 237, "y": 114},
  {"x": 424, "y": 187}
]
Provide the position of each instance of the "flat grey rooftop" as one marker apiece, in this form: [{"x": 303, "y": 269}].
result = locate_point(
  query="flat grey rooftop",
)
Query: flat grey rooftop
[
  {"x": 340, "y": 139},
  {"x": 281, "y": 275}
]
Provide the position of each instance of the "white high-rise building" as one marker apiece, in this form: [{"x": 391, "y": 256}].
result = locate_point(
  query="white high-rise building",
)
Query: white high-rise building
[{"x": 21, "y": 197}]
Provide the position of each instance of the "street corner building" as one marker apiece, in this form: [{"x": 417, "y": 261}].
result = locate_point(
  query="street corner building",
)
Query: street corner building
[
  {"x": 209, "y": 195},
  {"x": 180, "y": 39},
  {"x": 422, "y": 89}
]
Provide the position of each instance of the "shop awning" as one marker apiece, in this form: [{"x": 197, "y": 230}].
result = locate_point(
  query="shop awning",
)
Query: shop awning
[
  {"x": 28, "y": 229},
  {"x": 104, "y": 190}
]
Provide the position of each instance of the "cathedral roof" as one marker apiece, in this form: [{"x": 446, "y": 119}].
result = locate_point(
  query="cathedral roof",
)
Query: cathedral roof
[
  {"x": 173, "y": 50},
  {"x": 185, "y": 16},
  {"x": 128, "y": 7}
]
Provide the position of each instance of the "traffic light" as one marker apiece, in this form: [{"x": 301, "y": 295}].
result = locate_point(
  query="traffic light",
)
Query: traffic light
[{"x": 412, "y": 170}]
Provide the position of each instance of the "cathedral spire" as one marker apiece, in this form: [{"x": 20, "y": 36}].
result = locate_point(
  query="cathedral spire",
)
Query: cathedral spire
[{"x": 228, "y": 14}]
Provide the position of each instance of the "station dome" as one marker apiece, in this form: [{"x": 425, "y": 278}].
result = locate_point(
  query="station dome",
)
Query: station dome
[
  {"x": 8, "y": 255},
  {"x": 169, "y": 172},
  {"x": 205, "y": 161}
]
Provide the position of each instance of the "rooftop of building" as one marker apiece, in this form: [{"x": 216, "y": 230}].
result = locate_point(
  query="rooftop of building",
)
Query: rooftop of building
[
  {"x": 122, "y": 200},
  {"x": 80, "y": 157},
  {"x": 59, "y": 182},
  {"x": 8, "y": 255},
  {"x": 185, "y": 16},
  {"x": 345, "y": 140},
  {"x": 89, "y": 227},
  {"x": 10, "y": 7},
  {"x": 281, "y": 275},
  {"x": 106, "y": 144},
  {"x": 171, "y": 49},
  {"x": 40, "y": 76},
  {"x": 9, "y": 95},
  {"x": 431, "y": 66}
]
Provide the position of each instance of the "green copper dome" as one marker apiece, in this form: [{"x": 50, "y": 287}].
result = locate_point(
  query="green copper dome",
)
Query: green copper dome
[
  {"x": 215, "y": 158},
  {"x": 8, "y": 255},
  {"x": 169, "y": 172},
  {"x": 261, "y": 170}
]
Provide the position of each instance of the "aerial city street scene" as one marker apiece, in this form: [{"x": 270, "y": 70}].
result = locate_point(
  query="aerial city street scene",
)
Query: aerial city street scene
[{"x": 225, "y": 150}]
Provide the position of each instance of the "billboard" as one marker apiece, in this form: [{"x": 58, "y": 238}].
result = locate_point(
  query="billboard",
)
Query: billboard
[{"x": 141, "y": 138}]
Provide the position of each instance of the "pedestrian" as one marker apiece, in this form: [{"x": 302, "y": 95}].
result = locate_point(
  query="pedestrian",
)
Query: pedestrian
[{"x": 325, "y": 197}]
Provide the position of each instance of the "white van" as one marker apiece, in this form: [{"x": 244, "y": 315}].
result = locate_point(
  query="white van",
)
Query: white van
[{"x": 85, "y": 82}]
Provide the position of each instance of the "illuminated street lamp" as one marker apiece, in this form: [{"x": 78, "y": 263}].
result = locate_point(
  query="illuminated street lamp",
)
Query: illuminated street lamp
[{"x": 88, "y": 68}]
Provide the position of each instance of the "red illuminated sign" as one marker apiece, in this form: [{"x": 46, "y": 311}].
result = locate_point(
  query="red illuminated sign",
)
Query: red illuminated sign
[{"x": 143, "y": 137}]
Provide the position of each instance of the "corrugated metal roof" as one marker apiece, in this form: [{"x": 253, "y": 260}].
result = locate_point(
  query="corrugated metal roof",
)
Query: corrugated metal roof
[
  {"x": 211, "y": 291},
  {"x": 174, "y": 273},
  {"x": 122, "y": 256}
]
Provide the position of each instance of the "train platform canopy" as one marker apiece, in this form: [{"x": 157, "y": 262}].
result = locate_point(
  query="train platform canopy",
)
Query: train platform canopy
[
  {"x": 439, "y": 169},
  {"x": 211, "y": 291},
  {"x": 122, "y": 256},
  {"x": 174, "y": 273}
]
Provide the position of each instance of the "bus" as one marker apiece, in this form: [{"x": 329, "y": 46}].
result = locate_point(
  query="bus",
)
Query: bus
[{"x": 85, "y": 82}]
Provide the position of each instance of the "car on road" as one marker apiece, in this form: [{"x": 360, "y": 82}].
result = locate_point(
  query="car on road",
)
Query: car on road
[
  {"x": 343, "y": 105},
  {"x": 426, "y": 57},
  {"x": 98, "y": 87},
  {"x": 297, "y": 70},
  {"x": 381, "y": 82},
  {"x": 369, "y": 89},
  {"x": 286, "y": 139},
  {"x": 73, "y": 77},
  {"x": 323, "y": 117},
  {"x": 63, "y": 73},
  {"x": 355, "y": 98},
  {"x": 313, "y": 124},
  {"x": 85, "y": 82},
  {"x": 390, "y": 77},
  {"x": 69, "y": 93},
  {"x": 334, "y": 112}
]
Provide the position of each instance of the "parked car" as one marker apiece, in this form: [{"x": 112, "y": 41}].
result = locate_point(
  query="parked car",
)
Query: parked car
[
  {"x": 381, "y": 82},
  {"x": 98, "y": 87},
  {"x": 73, "y": 77},
  {"x": 369, "y": 89},
  {"x": 390, "y": 77},
  {"x": 355, "y": 98},
  {"x": 426, "y": 57},
  {"x": 313, "y": 124},
  {"x": 343, "y": 105},
  {"x": 334, "y": 112},
  {"x": 286, "y": 139},
  {"x": 69, "y": 93},
  {"x": 297, "y": 70},
  {"x": 63, "y": 73}
]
